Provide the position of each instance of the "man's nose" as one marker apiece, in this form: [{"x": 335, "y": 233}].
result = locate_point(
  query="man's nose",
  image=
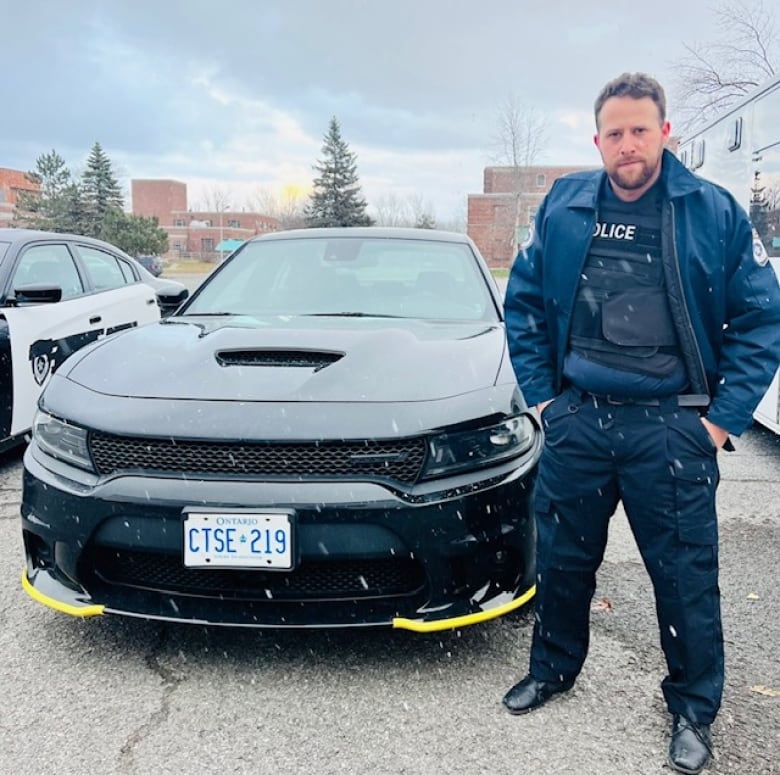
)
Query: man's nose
[{"x": 627, "y": 146}]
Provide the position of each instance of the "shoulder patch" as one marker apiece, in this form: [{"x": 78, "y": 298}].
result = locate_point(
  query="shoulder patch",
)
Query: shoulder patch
[
  {"x": 528, "y": 241},
  {"x": 760, "y": 256}
]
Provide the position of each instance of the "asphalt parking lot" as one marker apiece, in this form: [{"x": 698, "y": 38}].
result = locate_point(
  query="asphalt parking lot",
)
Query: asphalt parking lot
[{"x": 128, "y": 696}]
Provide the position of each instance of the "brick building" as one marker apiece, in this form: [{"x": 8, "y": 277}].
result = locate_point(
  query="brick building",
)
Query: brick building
[
  {"x": 499, "y": 218},
  {"x": 193, "y": 234},
  {"x": 13, "y": 183}
]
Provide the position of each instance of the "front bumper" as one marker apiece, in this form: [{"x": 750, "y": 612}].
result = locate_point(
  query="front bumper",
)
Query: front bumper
[{"x": 422, "y": 562}]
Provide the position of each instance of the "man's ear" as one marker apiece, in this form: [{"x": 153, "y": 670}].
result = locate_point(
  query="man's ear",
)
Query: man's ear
[{"x": 596, "y": 141}]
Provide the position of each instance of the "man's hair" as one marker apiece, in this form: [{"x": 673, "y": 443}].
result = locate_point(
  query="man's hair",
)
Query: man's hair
[{"x": 635, "y": 85}]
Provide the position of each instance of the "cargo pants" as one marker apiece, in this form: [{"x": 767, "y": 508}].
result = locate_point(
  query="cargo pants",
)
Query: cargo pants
[{"x": 661, "y": 463}]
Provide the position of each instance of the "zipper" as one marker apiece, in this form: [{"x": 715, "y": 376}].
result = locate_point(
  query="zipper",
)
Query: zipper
[
  {"x": 702, "y": 387},
  {"x": 570, "y": 309}
]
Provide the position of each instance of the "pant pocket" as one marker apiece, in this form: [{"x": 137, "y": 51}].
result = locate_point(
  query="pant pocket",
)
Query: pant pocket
[{"x": 695, "y": 483}]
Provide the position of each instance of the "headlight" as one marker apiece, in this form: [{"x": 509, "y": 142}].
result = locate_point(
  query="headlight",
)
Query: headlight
[
  {"x": 62, "y": 440},
  {"x": 457, "y": 452}
]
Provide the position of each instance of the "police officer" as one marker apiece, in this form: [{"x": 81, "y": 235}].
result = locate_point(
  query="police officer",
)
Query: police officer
[{"x": 645, "y": 331}]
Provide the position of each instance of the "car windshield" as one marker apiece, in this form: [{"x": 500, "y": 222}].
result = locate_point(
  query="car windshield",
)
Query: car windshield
[{"x": 351, "y": 276}]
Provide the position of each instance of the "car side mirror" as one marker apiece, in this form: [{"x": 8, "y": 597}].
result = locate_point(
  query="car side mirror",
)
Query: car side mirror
[
  {"x": 169, "y": 302},
  {"x": 37, "y": 294}
]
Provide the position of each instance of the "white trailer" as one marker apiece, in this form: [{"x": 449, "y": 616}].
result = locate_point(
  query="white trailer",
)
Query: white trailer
[{"x": 740, "y": 150}]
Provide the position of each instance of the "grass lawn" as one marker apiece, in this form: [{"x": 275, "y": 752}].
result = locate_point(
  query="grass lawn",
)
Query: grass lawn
[{"x": 189, "y": 267}]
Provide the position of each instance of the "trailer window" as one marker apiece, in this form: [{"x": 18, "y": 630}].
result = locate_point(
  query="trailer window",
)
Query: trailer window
[
  {"x": 735, "y": 135},
  {"x": 698, "y": 154}
]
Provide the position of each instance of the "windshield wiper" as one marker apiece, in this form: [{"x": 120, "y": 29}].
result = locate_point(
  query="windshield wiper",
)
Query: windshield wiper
[
  {"x": 348, "y": 315},
  {"x": 209, "y": 314}
]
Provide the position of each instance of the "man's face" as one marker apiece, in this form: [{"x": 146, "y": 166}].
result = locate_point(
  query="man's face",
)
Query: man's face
[{"x": 631, "y": 139}]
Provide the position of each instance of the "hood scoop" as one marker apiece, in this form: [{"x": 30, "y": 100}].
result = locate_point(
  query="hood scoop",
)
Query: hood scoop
[{"x": 288, "y": 359}]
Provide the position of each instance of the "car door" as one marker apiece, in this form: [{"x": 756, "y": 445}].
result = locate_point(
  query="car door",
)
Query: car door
[
  {"x": 128, "y": 301},
  {"x": 43, "y": 335}
]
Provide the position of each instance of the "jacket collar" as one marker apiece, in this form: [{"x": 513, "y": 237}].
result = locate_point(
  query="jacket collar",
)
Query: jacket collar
[{"x": 676, "y": 179}]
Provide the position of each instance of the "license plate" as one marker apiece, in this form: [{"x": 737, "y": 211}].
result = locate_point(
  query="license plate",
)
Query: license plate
[{"x": 238, "y": 540}]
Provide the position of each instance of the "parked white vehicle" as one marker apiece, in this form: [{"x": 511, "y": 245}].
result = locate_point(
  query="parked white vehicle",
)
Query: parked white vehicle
[
  {"x": 59, "y": 292},
  {"x": 740, "y": 150}
]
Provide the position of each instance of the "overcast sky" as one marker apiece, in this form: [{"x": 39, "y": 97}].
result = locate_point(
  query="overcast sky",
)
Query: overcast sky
[{"x": 237, "y": 96}]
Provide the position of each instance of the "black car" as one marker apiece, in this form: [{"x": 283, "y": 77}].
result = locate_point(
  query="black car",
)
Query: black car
[
  {"x": 152, "y": 264},
  {"x": 327, "y": 433},
  {"x": 58, "y": 292}
]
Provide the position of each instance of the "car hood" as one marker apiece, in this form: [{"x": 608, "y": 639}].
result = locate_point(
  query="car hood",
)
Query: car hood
[{"x": 294, "y": 359}]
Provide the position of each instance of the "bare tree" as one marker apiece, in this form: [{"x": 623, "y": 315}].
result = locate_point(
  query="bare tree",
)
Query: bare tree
[
  {"x": 522, "y": 133},
  {"x": 715, "y": 74},
  {"x": 772, "y": 195},
  {"x": 422, "y": 210},
  {"x": 288, "y": 206},
  {"x": 414, "y": 210},
  {"x": 216, "y": 199},
  {"x": 391, "y": 210}
]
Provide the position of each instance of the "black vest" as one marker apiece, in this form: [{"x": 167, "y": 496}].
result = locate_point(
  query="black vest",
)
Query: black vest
[{"x": 622, "y": 318}]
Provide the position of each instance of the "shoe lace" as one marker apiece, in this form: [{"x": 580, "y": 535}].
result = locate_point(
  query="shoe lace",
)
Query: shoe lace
[{"x": 682, "y": 723}]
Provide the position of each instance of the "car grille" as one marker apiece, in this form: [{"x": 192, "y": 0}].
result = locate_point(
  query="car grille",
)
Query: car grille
[
  {"x": 400, "y": 460},
  {"x": 311, "y": 580}
]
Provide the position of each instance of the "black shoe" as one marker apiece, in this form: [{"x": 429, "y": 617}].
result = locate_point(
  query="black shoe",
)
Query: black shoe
[
  {"x": 691, "y": 746},
  {"x": 530, "y": 694}
]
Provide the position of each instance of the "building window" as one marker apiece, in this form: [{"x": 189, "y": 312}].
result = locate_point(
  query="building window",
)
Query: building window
[
  {"x": 179, "y": 222},
  {"x": 541, "y": 180},
  {"x": 178, "y": 246},
  {"x": 234, "y": 224},
  {"x": 207, "y": 245}
]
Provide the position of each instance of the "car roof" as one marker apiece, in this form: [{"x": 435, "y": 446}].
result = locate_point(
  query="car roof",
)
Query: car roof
[
  {"x": 15, "y": 235},
  {"x": 363, "y": 232}
]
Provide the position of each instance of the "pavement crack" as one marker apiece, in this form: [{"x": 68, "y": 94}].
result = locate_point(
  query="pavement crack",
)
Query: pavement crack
[{"x": 170, "y": 682}]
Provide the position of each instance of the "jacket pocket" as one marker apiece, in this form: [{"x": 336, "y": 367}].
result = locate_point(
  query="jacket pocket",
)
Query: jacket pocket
[{"x": 638, "y": 318}]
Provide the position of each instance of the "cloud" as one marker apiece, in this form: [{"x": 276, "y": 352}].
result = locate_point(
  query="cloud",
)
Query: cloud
[{"x": 241, "y": 94}]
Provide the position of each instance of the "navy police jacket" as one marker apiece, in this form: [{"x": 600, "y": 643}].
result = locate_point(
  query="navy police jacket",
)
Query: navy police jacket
[{"x": 725, "y": 299}]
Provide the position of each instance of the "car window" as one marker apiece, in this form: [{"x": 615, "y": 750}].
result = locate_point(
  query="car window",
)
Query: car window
[
  {"x": 348, "y": 275},
  {"x": 127, "y": 271},
  {"x": 104, "y": 269},
  {"x": 50, "y": 265}
]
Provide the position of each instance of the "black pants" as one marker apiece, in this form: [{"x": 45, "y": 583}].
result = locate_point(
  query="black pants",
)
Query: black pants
[{"x": 661, "y": 463}]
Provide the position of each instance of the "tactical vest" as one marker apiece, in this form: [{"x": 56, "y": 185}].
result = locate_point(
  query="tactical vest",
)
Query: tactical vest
[{"x": 621, "y": 317}]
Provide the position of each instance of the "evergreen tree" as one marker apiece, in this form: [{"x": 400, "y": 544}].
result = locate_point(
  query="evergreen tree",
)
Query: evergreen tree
[
  {"x": 425, "y": 221},
  {"x": 99, "y": 189},
  {"x": 55, "y": 207},
  {"x": 92, "y": 206},
  {"x": 337, "y": 199}
]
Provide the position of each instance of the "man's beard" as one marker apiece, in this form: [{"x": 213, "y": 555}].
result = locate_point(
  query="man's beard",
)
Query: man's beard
[{"x": 634, "y": 182}]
